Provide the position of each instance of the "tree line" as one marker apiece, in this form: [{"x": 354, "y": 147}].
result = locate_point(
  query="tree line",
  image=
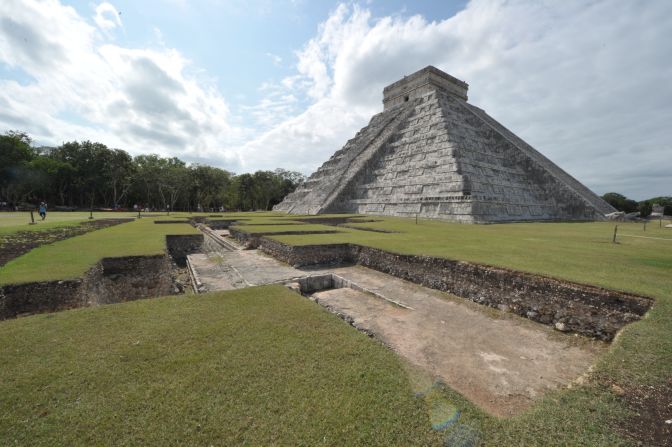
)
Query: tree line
[
  {"x": 644, "y": 208},
  {"x": 87, "y": 175}
]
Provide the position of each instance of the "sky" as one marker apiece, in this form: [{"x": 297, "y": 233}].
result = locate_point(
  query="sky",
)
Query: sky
[{"x": 259, "y": 84}]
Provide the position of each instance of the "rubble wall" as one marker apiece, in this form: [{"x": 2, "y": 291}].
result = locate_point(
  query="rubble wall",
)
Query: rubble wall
[
  {"x": 116, "y": 280},
  {"x": 567, "y": 306},
  {"x": 111, "y": 280}
]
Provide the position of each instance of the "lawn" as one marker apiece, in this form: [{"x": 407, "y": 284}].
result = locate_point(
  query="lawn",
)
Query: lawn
[
  {"x": 259, "y": 366},
  {"x": 587, "y": 414},
  {"x": 22, "y": 219},
  {"x": 71, "y": 258}
]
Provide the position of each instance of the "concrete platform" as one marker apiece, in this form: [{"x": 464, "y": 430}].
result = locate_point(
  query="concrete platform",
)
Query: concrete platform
[{"x": 227, "y": 270}]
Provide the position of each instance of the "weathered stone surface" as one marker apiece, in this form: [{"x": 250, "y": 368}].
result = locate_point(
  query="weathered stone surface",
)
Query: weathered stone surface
[
  {"x": 433, "y": 154},
  {"x": 618, "y": 215},
  {"x": 47, "y": 296},
  {"x": 579, "y": 308},
  {"x": 112, "y": 280},
  {"x": 116, "y": 280},
  {"x": 179, "y": 246}
]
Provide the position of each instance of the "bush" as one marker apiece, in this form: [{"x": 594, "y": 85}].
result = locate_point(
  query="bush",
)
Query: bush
[{"x": 645, "y": 209}]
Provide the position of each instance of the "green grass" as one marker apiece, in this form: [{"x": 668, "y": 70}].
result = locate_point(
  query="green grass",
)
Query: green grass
[
  {"x": 584, "y": 415},
  {"x": 22, "y": 218},
  {"x": 20, "y": 221},
  {"x": 42, "y": 226},
  {"x": 71, "y": 258},
  {"x": 280, "y": 228},
  {"x": 259, "y": 366}
]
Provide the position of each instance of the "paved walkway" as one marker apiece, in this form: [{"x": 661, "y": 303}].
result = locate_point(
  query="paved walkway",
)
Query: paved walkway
[{"x": 238, "y": 269}]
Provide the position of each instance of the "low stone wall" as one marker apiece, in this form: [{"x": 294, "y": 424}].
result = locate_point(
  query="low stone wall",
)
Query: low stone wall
[
  {"x": 40, "y": 297},
  {"x": 246, "y": 239},
  {"x": 210, "y": 245},
  {"x": 179, "y": 246},
  {"x": 159, "y": 222},
  {"x": 220, "y": 224},
  {"x": 116, "y": 280},
  {"x": 253, "y": 240},
  {"x": 112, "y": 280},
  {"x": 307, "y": 255},
  {"x": 17, "y": 244},
  {"x": 567, "y": 306}
]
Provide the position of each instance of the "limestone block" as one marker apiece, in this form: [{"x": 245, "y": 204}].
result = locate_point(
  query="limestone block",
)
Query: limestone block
[{"x": 412, "y": 189}]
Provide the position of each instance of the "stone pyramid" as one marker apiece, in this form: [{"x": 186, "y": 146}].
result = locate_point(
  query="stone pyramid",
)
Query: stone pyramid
[{"x": 430, "y": 153}]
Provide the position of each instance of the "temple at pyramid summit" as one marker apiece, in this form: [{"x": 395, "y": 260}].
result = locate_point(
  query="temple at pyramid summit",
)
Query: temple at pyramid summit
[{"x": 432, "y": 154}]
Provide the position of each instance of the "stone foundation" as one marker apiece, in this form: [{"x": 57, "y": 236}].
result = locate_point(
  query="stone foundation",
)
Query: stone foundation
[
  {"x": 39, "y": 297},
  {"x": 116, "y": 280},
  {"x": 221, "y": 224},
  {"x": 179, "y": 246},
  {"x": 252, "y": 240},
  {"x": 567, "y": 306},
  {"x": 111, "y": 280}
]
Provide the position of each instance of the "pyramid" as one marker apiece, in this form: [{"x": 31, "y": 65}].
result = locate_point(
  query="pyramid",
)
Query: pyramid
[{"x": 432, "y": 154}]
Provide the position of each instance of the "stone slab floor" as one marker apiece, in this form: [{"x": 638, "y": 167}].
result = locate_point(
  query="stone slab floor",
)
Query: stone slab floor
[
  {"x": 227, "y": 270},
  {"x": 499, "y": 361}
]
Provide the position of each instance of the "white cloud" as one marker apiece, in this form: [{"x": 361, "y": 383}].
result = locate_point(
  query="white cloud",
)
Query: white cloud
[
  {"x": 83, "y": 87},
  {"x": 107, "y": 16},
  {"x": 277, "y": 60},
  {"x": 586, "y": 83}
]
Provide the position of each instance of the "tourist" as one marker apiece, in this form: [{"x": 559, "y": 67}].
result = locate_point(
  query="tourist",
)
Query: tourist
[{"x": 43, "y": 210}]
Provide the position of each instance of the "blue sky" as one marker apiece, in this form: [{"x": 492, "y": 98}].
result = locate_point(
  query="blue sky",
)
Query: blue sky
[
  {"x": 242, "y": 44},
  {"x": 247, "y": 85}
]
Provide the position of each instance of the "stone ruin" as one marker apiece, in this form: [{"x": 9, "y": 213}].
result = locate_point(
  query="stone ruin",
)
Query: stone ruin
[{"x": 432, "y": 154}]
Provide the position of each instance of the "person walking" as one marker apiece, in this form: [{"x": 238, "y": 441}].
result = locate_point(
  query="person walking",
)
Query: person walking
[{"x": 43, "y": 210}]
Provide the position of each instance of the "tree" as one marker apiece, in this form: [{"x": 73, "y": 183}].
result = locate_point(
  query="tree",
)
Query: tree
[
  {"x": 119, "y": 171},
  {"x": 15, "y": 155},
  {"x": 264, "y": 183},
  {"x": 86, "y": 173},
  {"x": 173, "y": 175},
  {"x": 244, "y": 186},
  {"x": 49, "y": 175},
  {"x": 210, "y": 187},
  {"x": 620, "y": 202},
  {"x": 645, "y": 208},
  {"x": 665, "y": 202},
  {"x": 148, "y": 169},
  {"x": 288, "y": 182}
]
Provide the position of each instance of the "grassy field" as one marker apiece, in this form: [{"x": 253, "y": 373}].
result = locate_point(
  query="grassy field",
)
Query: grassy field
[
  {"x": 587, "y": 414},
  {"x": 259, "y": 366},
  {"x": 22, "y": 219},
  {"x": 71, "y": 258}
]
